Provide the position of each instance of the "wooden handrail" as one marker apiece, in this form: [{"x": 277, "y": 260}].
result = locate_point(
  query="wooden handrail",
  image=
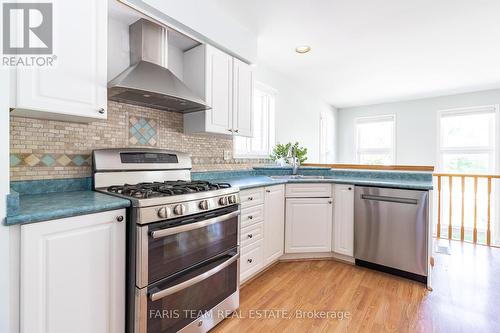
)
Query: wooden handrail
[
  {"x": 463, "y": 176},
  {"x": 426, "y": 168},
  {"x": 478, "y": 175}
]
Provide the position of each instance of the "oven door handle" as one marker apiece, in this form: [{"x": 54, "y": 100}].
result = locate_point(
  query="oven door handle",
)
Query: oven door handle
[
  {"x": 188, "y": 227},
  {"x": 186, "y": 284}
]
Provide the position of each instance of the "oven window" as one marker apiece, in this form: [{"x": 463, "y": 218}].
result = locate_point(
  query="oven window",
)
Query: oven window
[
  {"x": 174, "y": 253},
  {"x": 173, "y": 312}
]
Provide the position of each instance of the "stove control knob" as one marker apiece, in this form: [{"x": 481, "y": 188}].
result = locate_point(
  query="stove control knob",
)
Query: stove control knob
[
  {"x": 223, "y": 201},
  {"x": 232, "y": 199},
  {"x": 163, "y": 212},
  {"x": 179, "y": 209},
  {"x": 203, "y": 205}
]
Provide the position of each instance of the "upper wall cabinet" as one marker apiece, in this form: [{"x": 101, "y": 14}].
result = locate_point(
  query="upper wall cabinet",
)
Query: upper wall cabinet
[
  {"x": 242, "y": 98},
  {"x": 226, "y": 84},
  {"x": 75, "y": 88}
]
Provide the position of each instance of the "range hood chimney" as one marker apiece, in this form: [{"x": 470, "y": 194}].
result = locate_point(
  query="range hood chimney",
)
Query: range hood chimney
[{"x": 148, "y": 82}]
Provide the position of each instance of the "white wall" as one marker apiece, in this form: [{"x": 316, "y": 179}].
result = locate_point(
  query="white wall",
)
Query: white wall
[
  {"x": 416, "y": 125},
  {"x": 5, "y": 298},
  {"x": 118, "y": 47},
  {"x": 205, "y": 21},
  {"x": 297, "y": 112}
]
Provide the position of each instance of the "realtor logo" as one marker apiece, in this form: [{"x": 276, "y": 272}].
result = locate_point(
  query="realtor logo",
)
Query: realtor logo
[{"x": 27, "y": 28}]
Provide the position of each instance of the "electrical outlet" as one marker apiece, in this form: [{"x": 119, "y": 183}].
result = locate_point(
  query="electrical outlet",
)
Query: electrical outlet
[{"x": 227, "y": 155}]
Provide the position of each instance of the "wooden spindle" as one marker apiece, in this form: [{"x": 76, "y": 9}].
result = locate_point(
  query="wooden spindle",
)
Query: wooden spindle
[
  {"x": 450, "y": 179},
  {"x": 474, "y": 235},
  {"x": 439, "y": 208},
  {"x": 462, "y": 228},
  {"x": 488, "y": 230}
]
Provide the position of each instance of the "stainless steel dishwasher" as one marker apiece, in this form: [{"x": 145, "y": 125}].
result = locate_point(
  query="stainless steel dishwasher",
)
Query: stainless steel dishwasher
[{"x": 390, "y": 230}]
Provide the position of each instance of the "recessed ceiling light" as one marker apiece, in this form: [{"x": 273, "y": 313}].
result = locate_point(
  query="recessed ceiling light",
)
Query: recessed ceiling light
[{"x": 303, "y": 49}]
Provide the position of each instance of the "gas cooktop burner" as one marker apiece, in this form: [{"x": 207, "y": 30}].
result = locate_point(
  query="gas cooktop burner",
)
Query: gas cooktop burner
[{"x": 165, "y": 189}]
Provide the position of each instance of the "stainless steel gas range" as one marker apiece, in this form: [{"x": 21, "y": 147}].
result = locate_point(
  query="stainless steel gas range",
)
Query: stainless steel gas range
[{"x": 182, "y": 240}]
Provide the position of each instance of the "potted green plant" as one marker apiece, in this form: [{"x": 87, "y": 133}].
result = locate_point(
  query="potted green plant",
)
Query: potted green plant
[{"x": 280, "y": 153}]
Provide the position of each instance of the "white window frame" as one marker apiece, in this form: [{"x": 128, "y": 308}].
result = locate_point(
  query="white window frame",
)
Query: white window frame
[
  {"x": 375, "y": 119},
  {"x": 468, "y": 150},
  {"x": 271, "y": 126},
  {"x": 326, "y": 137}
]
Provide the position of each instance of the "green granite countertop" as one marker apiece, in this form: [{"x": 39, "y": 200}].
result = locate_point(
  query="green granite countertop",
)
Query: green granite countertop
[
  {"x": 51, "y": 206},
  {"x": 258, "y": 181}
]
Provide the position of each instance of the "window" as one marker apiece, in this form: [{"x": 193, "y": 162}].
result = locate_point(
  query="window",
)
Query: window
[
  {"x": 467, "y": 140},
  {"x": 375, "y": 140},
  {"x": 326, "y": 149},
  {"x": 260, "y": 145}
]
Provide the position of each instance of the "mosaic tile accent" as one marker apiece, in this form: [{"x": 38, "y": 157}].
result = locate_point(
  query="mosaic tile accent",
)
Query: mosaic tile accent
[
  {"x": 142, "y": 131},
  {"x": 49, "y": 160}
]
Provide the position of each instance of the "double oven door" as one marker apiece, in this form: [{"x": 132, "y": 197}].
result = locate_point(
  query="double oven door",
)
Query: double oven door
[{"x": 187, "y": 272}]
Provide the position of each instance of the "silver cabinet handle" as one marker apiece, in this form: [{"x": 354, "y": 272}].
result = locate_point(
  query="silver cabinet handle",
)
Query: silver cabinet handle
[
  {"x": 230, "y": 130},
  {"x": 250, "y": 217},
  {"x": 101, "y": 111},
  {"x": 197, "y": 279},
  {"x": 172, "y": 231},
  {"x": 249, "y": 235},
  {"x": 250, "y": 261},
  {"x": 389, "y": 199},
  {"x": 268, "y": 191},
  {"x": 330, "y": 201},
  {"x": 250, "y": 198},
  {"x": 120, "y": 218},
  {"x": 236, "y": 131}
]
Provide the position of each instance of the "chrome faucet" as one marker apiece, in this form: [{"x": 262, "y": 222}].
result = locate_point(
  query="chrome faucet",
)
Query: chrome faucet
[{"x": 293, "y": 159}]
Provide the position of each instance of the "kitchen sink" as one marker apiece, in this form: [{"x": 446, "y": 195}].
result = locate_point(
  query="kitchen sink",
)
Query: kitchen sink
[{"x": 297, "y": 177}]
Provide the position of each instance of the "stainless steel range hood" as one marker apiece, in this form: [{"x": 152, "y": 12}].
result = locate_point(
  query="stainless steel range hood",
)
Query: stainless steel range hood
[{"x": 148, "y": 82}]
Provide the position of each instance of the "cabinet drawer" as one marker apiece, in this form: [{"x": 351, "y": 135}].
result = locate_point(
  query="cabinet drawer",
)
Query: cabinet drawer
[
  {"x": 251, "y": 260},
  {"x": 252, "y": 215},
  {"x": 251, "y": 234},
  {"x": 308, "y": 190},
  {"x": 252, "y": 197}
]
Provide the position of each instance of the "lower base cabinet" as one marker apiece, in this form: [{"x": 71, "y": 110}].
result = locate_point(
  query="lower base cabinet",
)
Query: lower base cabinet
[
  {"x": 274, "y": 223},
  {"x": 308, "y": 225},
  {"x": 262, "y": 235},
  {"x": 343, "y": 230},
  {"x": 73, "y": 274}
]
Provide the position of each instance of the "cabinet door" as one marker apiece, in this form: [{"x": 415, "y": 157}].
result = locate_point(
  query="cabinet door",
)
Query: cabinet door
[
  {"x": 242, "y": 99},
  {"x": 274, "y": 222},
  {"x": 308, "y": 225},
  {"x": 219, "y": 88},
  {"x": 76, "y": 87},
  {"x": 73, "y": 275},
  {"x": 343, "y": 233}
]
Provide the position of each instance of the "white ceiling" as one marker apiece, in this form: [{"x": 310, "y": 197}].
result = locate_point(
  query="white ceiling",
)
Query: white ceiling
[{"x": 375, "y": 51}]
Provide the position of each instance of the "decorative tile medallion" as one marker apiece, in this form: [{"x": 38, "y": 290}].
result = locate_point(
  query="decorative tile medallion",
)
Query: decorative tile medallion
[
  {"x": 142, "y": 131},
  {"x": 49, "y": 160}
]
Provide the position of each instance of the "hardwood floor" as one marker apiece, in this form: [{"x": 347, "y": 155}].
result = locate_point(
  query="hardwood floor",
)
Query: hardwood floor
[{"x": 466, "y": 297}]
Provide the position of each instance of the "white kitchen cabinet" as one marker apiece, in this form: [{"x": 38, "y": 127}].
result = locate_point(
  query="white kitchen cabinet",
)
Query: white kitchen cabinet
[
  {"x": 343, "y": 233},
  {"x": 308, "y": 225},
  {"x": 242, "y": 98},
  {"x": 75, "y": 88},
  {"x": 251, "y": 261},
  {"x": 274, "y": 223},
  {"x": 73, "y": 274},
  {"x": 226, "y": 84},
  {"x": 309, "y": 190}
]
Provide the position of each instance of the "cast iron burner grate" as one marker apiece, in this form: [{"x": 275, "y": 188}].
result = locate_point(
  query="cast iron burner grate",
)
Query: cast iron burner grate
[{"x": 165, "y": 189}]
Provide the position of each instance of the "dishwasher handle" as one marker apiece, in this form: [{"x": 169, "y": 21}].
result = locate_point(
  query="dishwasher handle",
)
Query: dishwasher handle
[{"x": 407, "y": 201}]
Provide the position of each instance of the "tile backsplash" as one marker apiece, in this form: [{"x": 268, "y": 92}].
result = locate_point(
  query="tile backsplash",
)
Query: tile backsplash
[{"x": 46, "y": 149}]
